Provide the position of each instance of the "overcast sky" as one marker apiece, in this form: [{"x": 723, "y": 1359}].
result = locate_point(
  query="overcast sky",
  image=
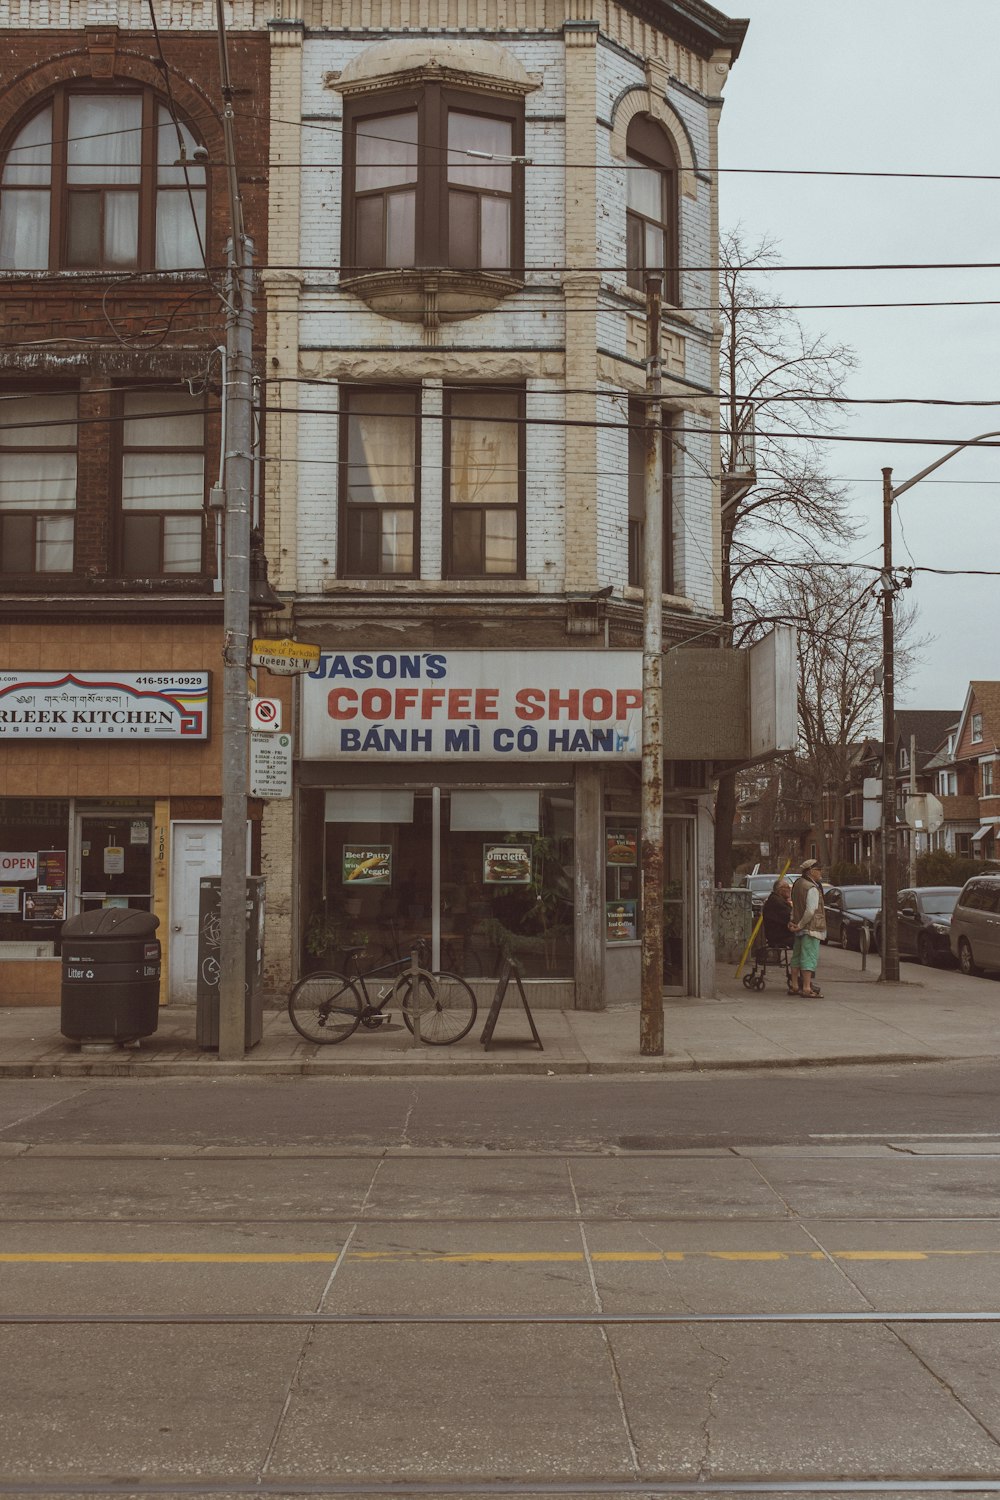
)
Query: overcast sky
[{"x": 891, "y": 85}]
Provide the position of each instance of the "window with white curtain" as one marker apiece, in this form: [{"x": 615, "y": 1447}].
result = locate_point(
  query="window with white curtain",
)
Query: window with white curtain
[
  {"x": 378, "y": 482},
  {"x": 162, "y": 483},
  {"x": 38, "y": 436},
  {"x": 102, "y": 181},
  {"x": 484, "y": 491}
]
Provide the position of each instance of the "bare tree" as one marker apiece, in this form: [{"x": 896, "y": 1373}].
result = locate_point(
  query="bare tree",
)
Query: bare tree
[
  {"x": 781, "y": 386},
  {"x": 840, "y": 655}
]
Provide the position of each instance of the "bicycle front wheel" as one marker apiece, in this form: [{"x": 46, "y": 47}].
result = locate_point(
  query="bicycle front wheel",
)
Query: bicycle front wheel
[
  {"x": 444, "y": 1003},
  {"x": 324, "y": 1008}
]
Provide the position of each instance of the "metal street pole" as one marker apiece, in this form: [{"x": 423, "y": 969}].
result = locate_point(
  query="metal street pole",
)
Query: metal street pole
[
  {"x": 651, "y": 1007},
  {"x": 238, "y": 439},
  {"x": 890, "y": 854},
  {"x": 890, "y": 586}
]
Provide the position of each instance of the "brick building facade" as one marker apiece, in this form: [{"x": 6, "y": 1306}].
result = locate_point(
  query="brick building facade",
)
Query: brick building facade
[{"x": 113, "y": 224}]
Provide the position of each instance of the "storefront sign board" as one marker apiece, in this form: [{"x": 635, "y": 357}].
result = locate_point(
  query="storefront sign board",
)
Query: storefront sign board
[
  {"x": 10, "y": 898},
  {"x": 506, "y": 864},
  {"x": 367, "y": 864},
  {"x": 19, "y": 865},
  {"x": 474, "y": 705},
  {"x": 104, "y": 705},
  {"x": 270, "y": 765}
]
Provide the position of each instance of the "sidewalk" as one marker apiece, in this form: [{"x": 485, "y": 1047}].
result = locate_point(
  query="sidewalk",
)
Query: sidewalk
[{"x": 932, "y": 1015}]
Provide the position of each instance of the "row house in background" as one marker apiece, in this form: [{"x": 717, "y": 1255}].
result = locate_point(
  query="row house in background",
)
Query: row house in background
[
  {"x": 967, "y": 776},
  {"x": 465, "y": 199},
  {"x": 113, "y": 225}
]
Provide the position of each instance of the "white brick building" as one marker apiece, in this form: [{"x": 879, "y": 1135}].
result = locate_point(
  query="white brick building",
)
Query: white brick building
[{"x": 464, "y": 201}]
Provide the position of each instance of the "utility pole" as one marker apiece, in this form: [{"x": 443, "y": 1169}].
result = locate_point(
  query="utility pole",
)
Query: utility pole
[
  {"x": 890, "y": 861},
  {"x": 238, "y": 449},
  {"x": 651, "y": 1008},
  {"x": 913, "y": 792},
  {"x": 890, "y": 586}
]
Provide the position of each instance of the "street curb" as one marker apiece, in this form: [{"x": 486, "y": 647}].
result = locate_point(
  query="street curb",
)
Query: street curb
[{"x": 106, "y": 1067}]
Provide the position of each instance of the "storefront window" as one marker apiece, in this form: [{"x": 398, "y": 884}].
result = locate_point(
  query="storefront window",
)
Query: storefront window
[
  {"x": 34, "y": 874},
  {"x": 506, "y": 878}
]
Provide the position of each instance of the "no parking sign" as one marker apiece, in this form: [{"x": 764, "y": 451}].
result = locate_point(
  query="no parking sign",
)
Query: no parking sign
[{"x": 265, "y": 714}]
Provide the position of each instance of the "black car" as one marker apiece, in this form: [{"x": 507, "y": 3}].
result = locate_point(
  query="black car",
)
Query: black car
[
  {"x": 925, "y": 922},
  {"x": 849, "y": 910}
]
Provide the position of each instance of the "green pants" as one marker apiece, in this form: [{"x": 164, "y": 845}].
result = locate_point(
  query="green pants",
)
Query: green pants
[{"x": 805, "y": 952}]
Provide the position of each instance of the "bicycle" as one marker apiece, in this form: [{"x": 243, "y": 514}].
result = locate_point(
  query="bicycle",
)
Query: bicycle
[{"x": 328, "y": 1007}]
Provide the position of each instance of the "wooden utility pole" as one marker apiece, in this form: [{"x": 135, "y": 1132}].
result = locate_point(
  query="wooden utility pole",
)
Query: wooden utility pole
[{"x": 651, "y": 1008}]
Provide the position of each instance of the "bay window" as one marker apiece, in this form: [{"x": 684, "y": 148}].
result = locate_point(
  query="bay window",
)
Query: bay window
[{"x": 430, "y": 182}]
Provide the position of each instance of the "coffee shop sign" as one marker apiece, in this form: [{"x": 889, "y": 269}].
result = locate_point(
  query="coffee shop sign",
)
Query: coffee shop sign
[
  {"x": 104, "y": 705},
  {"x": 460, "y": 705}
]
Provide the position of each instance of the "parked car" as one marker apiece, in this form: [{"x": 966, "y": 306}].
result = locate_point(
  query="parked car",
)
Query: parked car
[
  {"x": 975, "y": 925},
  {"x": 760, "y": 887},
  {"x": 849, "y": 910},
  {"x": 924, "y": 922}
]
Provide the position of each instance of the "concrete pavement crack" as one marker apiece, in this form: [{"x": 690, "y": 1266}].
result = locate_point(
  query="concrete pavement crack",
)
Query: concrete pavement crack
[
  {"x": 945, "y": 1385},
  {"x": 616, "y": 1379},
  {"x": 711, "y": 1407}
]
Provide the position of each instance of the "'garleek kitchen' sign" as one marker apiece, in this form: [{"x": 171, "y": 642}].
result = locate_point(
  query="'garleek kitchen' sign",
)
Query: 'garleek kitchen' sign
[{"x": 104, "y": 705}]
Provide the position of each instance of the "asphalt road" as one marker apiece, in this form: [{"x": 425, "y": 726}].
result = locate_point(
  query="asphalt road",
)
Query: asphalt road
[
  {"x": 547, "y": 1114},
  {"x": 730, "y": 1284}
]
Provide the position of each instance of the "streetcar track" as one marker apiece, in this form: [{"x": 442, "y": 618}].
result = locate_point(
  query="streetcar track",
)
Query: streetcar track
[
  {"x": 587, "y": 1320},
  {"x": 468, "y": 1488}
]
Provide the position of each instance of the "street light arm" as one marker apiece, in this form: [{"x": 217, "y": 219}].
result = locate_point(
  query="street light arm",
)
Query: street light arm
[{"x": 900, "y": 489}]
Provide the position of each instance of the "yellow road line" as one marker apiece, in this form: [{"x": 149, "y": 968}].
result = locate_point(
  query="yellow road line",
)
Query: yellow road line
[{"x": 472, "y": 1257}]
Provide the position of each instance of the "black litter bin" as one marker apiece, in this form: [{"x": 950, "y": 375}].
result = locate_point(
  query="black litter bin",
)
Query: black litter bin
[{"x": 110, "y": 976}]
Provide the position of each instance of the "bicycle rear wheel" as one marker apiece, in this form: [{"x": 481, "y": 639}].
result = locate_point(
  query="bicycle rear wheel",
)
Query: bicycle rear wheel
[
  {"x": 444, "y": 1003},
  {"x": 324, "y": 1008}
]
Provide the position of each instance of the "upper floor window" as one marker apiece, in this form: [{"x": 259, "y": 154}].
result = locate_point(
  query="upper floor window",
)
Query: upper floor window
[
  {"x": 162, "y": 483},
  {"x": 987, "y": 769},
  {"x": 432, "y": 182},
  {"x": 651, "y": 241},
  {"x": 95, "y": 181},
  {"x": 378, "y": 482},
  {"x": 484, "y": 485},
  {"x": 637, "y": 496},
  {"x": 977, "y": 728},
  {"x": 38, "y": 436}
]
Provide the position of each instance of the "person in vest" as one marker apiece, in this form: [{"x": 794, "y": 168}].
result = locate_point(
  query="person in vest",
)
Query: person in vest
[{"x": 809, "y": 926}]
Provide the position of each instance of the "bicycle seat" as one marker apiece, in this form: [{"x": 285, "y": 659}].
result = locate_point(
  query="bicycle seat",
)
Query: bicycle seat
[{"x": 350, "y": 952}]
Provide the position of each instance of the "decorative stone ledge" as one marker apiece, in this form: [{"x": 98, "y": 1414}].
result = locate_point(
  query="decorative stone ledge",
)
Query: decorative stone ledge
[{"x": 431, "y": 297}]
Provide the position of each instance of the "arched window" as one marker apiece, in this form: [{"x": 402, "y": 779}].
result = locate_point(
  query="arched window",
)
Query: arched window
[
  {"x": 97, "y": 181},
  {"x": 651, "y": 212}
]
